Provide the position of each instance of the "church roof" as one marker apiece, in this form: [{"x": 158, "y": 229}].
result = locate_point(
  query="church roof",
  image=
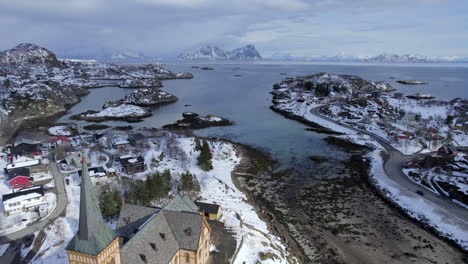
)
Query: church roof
[
  {"x": 132, "y": 217},
  {"x": 163, "y": 234},
  {"x": 180, "y": 204},
  {"x": 93, "y": 235}
]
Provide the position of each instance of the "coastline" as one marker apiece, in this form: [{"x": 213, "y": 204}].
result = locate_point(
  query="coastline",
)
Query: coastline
[
  {"x": 379, "y": 189},
  {"x": 249, "y": 167}
]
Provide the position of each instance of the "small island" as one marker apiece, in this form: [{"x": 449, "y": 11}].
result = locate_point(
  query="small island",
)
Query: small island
[
  {"x": 122, "y": 112},
  {"x": 145, "y": 97},
  {"x": 420, "y": 96},
  {"x": 411, "y": 82},
  {"x": 195, "y": 121}
]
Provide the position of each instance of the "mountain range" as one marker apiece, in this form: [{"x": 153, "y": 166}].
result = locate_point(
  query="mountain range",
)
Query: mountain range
[
  {"x": 384, "y": 57},
  {"x": 103, "y": 55},
  {"x": 207, "y": 52}
]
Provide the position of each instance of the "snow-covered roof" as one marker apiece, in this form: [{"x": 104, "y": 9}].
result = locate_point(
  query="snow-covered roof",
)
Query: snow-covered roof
[{"x": 23, "y": 164}]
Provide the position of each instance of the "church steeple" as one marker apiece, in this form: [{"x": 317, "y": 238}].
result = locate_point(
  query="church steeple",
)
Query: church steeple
[{"x": 93, "y": 235}]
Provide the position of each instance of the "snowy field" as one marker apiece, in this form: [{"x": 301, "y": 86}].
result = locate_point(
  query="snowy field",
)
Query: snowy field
[{"x": 62, "y": 230}]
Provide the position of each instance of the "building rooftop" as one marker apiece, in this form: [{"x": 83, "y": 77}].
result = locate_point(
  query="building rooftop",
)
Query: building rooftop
[
  {"x": 10, "y": 197},
  {"x": 208, "y": 208},
  {"x": 22, "y": 171},
  {"x": 181, "y": 204},
  {"x": 162, "y": 235},
  {"x": 132, "y": 217}
]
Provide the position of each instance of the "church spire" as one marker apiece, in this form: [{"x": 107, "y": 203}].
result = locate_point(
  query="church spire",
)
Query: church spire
[{"x": 94, "y": 235}]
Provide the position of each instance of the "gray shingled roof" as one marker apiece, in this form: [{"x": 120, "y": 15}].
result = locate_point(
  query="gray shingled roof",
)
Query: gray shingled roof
[
  {"x": 131, "y": 217},
  {"x": 182, "y": 230},
  {"x": 140, "y": 243},
  {"x": 93, "y": 235},
  {"x": 181, "y": 204},
  {"x": 186, "y": 228}
]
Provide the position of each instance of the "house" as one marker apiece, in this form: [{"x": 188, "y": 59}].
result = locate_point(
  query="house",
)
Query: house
[
  {"x": 19, "y": 178},
  {"x": 60, "y": 140},
  {"x": 211, "y": 211},
  {"x": 132, "y": 165},
  {"x": 447, "y": 151},
  {"x": 138, "y": 140},
  {"x": 184, "y": 203},
  {"x": 461, "y": 126},
  {"x": 28, "y": 200},
  {"x": 143, "y": 234},
  {"x": 376, "y": 94},
  {"x": 26, "y": 149},
  {"x": 96, "y": 172},
  {"x": 120, "y": 143},
  {"x": 37, "y": 170}
]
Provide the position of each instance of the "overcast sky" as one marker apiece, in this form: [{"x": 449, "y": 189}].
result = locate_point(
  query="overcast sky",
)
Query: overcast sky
[{"x": 295, "y": 27}]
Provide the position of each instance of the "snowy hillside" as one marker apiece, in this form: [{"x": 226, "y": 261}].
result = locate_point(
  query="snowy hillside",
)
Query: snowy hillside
[{"x": 28, "y": 54}]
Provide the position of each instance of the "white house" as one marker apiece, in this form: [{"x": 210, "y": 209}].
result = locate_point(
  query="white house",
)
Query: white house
[{"x": 28, "y": 200}]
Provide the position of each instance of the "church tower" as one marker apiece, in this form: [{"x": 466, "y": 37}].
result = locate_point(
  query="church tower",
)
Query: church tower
[{"x": 95, "y": 242}]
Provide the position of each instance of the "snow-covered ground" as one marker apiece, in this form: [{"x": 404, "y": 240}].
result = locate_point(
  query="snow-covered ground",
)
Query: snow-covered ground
[
  {"x": 251, "y": 233},
  {"x": 60, "y": 131},
  {"x": 123, "y": 110},
  {"x": 62, "y": 230},
  {"x": 419, "y": 208}
]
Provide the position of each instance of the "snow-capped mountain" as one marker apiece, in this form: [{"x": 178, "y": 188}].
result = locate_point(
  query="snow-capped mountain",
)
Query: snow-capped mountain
[
  {"x": 204, "y": 52},
  {"x": 26, "y": 54},
  {"x": 103, "y": 55},
  {"x": 208, "y": 52},
  {"x": 127, "y": 55},
  {"x": 248, "y": 52},
  {"x": 398, "y": 58}
]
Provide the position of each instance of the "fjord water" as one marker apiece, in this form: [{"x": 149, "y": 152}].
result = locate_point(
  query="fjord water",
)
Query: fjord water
[{"x": 245, "y": 99}]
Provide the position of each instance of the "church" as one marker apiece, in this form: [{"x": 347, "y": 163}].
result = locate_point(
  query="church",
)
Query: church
[{"x": 175, "y": 234}]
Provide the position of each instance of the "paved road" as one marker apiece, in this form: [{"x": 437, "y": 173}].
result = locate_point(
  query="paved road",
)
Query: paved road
[
  {"x": 393, "y": 167},
  {"x": 59, "y": 209}
]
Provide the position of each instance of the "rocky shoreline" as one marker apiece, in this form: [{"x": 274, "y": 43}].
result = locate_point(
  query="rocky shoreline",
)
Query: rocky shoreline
[{"x": 254, "y": 163}]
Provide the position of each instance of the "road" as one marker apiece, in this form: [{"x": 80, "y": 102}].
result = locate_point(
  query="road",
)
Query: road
[
  {"x": 393, "y": 167},
  {"x": 59, "y": 209}
]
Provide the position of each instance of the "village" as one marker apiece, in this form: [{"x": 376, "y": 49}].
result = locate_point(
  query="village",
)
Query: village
[
  {"x": 413, "y": 127},
  {"x": 136, "y": 177},
  {"x": 416, "y": 141}
]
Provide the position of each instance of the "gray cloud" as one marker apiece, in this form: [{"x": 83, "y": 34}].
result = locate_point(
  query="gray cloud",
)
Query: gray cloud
[{"x": 166, "y": 27}]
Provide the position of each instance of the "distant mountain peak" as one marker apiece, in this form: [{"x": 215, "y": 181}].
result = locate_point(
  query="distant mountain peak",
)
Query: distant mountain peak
[{"x": 248, "y": 52}]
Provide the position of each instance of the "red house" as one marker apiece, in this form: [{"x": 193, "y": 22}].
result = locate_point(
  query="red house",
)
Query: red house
[
  {"x": 447, "y": 151},
  {"x": 19, "y": 178},
  {"x": 60, "y": 139}
]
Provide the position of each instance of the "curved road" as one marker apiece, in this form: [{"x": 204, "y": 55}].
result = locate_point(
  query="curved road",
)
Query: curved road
[
  {"x": 59, "y": 209},
  {"x": 393, "y": 167}
]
